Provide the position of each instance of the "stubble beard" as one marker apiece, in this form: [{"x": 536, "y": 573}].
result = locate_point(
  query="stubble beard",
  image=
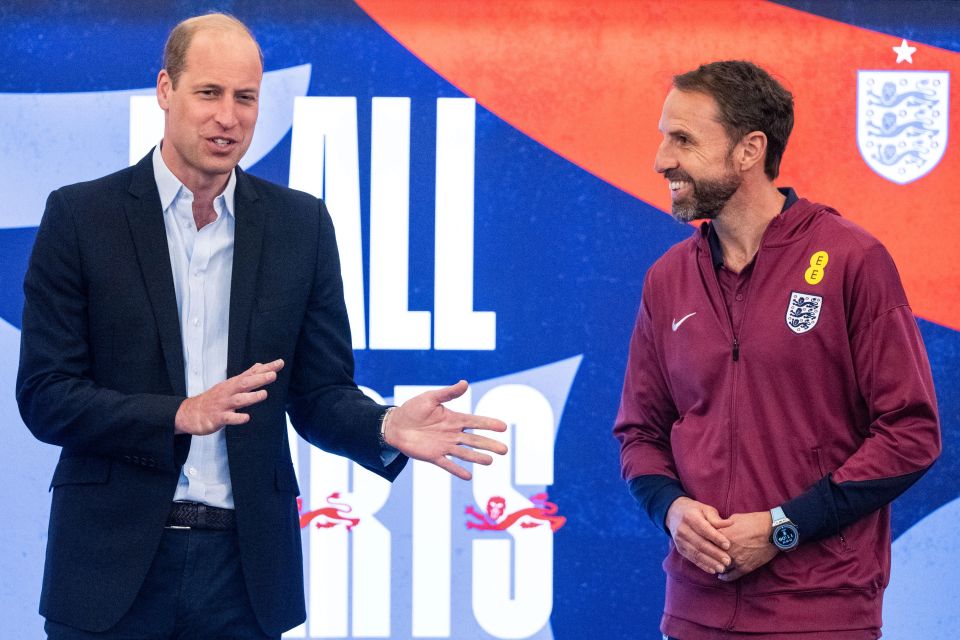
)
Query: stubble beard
[{"x": 708, "y": 199}]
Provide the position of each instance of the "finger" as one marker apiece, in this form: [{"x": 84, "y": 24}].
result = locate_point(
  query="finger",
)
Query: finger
[
  {"x": 482, "y": 442},
  {"x": 447, "y": 394},
  {"x": 705, "y": 530},
  {"x": 716, "y": 556},
  {"x": 693, "y": 545},
  {"x": 250, "y": 381},
  {"x": 262, "y": 367},
  {"x": 697, "y": 558},
  {"x": 701, "y": 561},
  {"x": 713, "y": 554},
  {"x": 274, "y": 365},
  {"x": 712, "y": 564},
  {"x": 240, "y": 400},
  {"x": 233, "y": 418},
  {"x": 471, "y": 421},
  {"x": 471, "y": 456},
  {"x": 717, "y": 522},
  {"x": 452, "y": 468}
]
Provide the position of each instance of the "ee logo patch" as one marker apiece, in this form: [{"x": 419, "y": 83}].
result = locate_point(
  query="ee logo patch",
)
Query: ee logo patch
[{"x": 818, "y": 264}]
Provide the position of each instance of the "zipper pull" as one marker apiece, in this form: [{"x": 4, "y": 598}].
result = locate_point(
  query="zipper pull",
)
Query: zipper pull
[{"x": 736, "y": 349}]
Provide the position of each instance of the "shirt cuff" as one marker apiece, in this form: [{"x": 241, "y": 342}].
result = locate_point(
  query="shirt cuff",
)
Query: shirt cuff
[{"x": 387, "y": 453}]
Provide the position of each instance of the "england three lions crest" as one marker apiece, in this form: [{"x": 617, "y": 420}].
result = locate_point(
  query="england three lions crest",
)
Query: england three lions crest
[
  {"x": 902, "y": 121},
  {"x": 803, "y": 311}
]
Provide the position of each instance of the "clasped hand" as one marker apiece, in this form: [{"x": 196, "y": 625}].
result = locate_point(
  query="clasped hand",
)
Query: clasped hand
[{"x": 728, "y": 547}]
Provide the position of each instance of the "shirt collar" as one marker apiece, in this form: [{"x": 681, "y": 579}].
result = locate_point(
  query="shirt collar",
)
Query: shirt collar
[{"x": 169, "y": 186}]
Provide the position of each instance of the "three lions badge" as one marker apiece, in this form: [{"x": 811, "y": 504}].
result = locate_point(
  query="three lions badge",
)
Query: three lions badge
[
  {"x": 902, "y": 121},
  {"x": 803, "y": 311}
]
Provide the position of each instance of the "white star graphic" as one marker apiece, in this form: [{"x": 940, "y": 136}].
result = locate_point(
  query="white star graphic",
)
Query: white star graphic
[{"x": 904, "y": 52}]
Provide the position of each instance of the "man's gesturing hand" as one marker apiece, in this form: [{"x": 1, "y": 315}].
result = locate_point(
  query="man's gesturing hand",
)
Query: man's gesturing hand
[
  {"x": 217, "y": 407},
  {"x": 423, "y": 429},
  {"x": 694, "y": 529},
  {"x": 750, "y": 546}
]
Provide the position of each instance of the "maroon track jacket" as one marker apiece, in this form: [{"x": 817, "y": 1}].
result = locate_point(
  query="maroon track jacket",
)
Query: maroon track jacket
[{"x": 826, "y": 374}]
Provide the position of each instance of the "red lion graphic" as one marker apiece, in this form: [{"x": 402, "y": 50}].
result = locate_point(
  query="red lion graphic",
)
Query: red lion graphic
[
  {"x": 330, "y": 516},
  {"x": 496, "y": 519}
]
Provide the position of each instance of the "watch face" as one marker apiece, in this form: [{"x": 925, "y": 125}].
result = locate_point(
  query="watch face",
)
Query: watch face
[{"x": 785, "y": 536}]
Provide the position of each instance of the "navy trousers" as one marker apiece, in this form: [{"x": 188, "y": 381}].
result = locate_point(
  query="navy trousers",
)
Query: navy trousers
[{"x": 193, "y": 591}]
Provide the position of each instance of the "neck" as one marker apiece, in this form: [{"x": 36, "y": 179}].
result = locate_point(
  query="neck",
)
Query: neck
[
  {"x": 744, "y": 219},
  {"x": 204, "y": 187}
]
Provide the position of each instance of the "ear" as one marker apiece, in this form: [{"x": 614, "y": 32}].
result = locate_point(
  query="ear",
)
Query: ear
[
  {"x": 164, "y": 88},
  {"x": 751, "y": 150}
]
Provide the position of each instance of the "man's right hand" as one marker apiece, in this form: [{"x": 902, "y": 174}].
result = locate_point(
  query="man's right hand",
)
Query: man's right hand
[
  {"x": 693, "y": 527},
  {"x": 218, "y": 406}
]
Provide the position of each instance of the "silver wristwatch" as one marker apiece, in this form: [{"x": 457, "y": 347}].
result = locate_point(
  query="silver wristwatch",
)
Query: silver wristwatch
[{"x": 785, "y": 536}]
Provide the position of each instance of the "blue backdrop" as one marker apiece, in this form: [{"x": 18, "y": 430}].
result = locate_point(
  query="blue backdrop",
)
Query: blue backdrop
[{"x": 559, "y": 257}]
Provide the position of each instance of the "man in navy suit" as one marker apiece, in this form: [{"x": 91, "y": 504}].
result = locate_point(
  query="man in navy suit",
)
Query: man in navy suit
[{"x": 174, "y": 312}]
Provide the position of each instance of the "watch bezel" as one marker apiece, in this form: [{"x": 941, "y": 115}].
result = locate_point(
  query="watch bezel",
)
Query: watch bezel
[{"x": 786, "y": 526}]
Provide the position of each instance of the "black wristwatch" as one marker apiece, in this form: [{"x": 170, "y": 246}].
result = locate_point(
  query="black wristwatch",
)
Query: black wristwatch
[{"x": 785, "y": 536}]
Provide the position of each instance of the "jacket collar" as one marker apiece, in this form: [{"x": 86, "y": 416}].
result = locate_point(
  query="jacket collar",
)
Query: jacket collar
[
  {"x": 251, "y": 217},
  {"x": 145, "y": 219},
  {"x": 792, "y": 222}
]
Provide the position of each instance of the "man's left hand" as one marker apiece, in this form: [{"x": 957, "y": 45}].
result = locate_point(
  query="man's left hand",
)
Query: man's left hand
[
  {"x": 750, "y": 546},
  {"x": 423, "y": 429}
]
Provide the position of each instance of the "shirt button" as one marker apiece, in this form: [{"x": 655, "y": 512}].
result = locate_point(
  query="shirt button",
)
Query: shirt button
[
  {"x": 739, "y": 297},
  {"x": 193, "y": 472},
  {"x": 186, "y": 224},
  {"x": 196, "y": 321}
]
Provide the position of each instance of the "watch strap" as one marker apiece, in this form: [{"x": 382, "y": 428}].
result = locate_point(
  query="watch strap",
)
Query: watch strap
[{"x": 778, "y": 516}]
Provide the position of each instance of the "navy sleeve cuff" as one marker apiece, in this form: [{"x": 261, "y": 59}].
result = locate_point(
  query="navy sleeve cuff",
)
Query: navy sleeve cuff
[
  {"x": 826, "y": 507},
  {"x": 814, "y": 511},
  {"x": 655, "y": 493}
]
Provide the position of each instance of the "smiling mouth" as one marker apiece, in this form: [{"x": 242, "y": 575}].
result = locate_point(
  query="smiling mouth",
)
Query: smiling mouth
[
  {"x": 222, "y": 142},
  {"x": 676, "y": 185}
]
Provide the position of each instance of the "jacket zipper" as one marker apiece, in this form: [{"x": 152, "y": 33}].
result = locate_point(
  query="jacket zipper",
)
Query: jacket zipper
[{"x": 707, "y": 263}]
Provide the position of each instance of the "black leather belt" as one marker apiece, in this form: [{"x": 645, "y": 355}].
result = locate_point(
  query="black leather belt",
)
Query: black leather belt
[{"x": 193, "y": 515}]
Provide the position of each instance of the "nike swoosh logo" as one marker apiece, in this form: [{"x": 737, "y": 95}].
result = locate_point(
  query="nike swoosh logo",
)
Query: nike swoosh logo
[{"x": 677, "y": 323}]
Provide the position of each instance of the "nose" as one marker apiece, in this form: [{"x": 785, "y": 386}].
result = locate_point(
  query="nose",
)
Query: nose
[
  {"x": 664, "y": 160},
  {"x": 226, "y": 115}
]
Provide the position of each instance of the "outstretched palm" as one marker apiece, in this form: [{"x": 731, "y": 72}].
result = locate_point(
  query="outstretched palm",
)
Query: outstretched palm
[{"x": 423, "y": 429}]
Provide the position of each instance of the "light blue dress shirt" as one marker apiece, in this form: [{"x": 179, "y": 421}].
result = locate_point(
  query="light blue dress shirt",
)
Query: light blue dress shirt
[{"x": 202, "y": 263}]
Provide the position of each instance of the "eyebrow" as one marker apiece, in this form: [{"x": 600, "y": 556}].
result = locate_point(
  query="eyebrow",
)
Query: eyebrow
[
  {"x": 213, "y": 85},
  {"x": 679, "y": 131}
]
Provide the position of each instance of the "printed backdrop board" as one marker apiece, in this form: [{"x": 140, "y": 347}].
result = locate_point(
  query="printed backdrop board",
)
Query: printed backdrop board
[{"x": 489, "y": 170}]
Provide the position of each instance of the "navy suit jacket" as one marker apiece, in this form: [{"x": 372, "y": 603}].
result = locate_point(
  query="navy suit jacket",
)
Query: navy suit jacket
[{"x": 102, "y": 376}]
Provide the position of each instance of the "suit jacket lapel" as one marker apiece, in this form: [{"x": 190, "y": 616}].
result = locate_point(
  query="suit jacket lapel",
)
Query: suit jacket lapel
[
  {"x": 247, "y": 244},
  {"x": 145, "y": 217}
]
